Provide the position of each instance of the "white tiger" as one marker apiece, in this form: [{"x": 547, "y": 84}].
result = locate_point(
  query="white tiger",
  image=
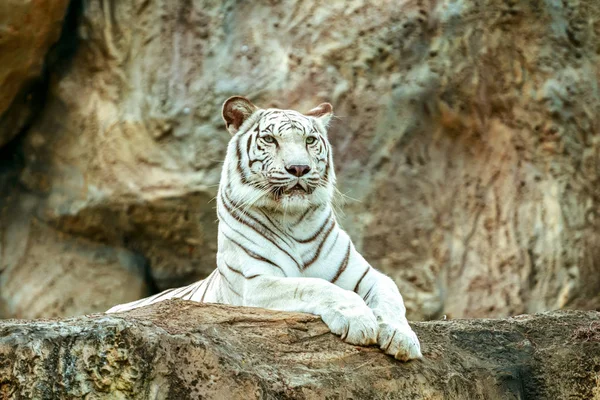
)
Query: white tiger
[{"x": 279, "y": 244}]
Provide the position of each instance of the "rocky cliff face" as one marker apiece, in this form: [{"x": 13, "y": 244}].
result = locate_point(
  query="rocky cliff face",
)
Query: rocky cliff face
[
  {"x": 27, "y": 32},
  {"x": 466, "y": 142},
  {"x": 184, "y": 350}
]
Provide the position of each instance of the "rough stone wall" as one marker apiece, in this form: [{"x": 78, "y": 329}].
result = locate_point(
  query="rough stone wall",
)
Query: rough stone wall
[
  {"x": 27, "y": 32},
  {"x": 183, "y": 350},
  {"x": 466, "y": 142}
]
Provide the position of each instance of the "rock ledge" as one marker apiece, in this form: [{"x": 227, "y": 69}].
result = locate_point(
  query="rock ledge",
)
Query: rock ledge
[{"x": 179, "y": 350}]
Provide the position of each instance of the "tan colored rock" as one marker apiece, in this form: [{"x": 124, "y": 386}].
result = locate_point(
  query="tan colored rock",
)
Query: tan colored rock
[
  {"x": 467, "y": 131},
  {"x": 182, "y": 350},
  {"x": 481, "y": 180},
  {"x": 28, "y": 29},
  {"x": 45, "y": 273}
]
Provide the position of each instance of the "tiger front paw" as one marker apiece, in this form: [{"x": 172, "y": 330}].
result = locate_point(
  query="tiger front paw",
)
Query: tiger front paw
[
  {"x": 399, "y": 341},
  {"x": 355, "y": 323}
]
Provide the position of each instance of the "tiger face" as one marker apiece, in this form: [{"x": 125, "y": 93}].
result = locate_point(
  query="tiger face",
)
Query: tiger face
[{"x": 278, "y": 159}]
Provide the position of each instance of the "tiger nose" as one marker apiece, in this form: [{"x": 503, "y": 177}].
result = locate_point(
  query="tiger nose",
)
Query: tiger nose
[{"x": 298, "y": 170}]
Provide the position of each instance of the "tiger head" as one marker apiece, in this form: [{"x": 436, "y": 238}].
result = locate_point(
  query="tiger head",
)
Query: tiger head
[{"x": 277, "y": 159}]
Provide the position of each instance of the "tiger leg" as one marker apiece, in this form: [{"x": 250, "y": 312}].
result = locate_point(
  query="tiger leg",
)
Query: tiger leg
[
  {"x": 343, "y": 311},
  {"x": 395, "y": 337}
]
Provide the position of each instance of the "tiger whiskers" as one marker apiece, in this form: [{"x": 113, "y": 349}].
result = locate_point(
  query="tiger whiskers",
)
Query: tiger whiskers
[
  {"x": 337, "y": 201},
  {"x": 244, "y": 207},
  {"x": 247, "y": 205},
  {"x": 264, "y": 189}
]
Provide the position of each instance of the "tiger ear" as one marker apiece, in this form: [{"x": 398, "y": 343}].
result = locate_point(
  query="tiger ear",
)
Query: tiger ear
[
  {"x": 322, "y": 112},
  {"x": 235, "y": 111}
]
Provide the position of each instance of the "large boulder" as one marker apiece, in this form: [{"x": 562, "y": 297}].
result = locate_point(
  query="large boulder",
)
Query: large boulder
[
  {"x": 28, "y": 29},
  {"x": 466, "y": 141},
  {"x": 184, "y": 350}
]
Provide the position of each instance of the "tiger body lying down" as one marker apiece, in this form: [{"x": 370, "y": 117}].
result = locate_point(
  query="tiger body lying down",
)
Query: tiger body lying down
[{"x": 279, "y": 244}]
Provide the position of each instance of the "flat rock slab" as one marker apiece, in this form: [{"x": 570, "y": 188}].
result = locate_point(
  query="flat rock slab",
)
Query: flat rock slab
[{"x": 180, "y": 350}]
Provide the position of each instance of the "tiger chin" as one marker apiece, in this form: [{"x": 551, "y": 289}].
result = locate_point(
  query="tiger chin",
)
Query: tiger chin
[{"x": 279, "y": 244}]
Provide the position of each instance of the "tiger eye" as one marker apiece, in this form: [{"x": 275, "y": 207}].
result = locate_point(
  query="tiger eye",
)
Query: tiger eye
[
  {"x": 269, "y": 139},
  {"x": 311, "y": 140}
]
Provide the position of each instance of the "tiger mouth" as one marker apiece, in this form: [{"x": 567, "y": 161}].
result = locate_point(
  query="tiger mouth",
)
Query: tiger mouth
[{"x": 296, "y": 190}]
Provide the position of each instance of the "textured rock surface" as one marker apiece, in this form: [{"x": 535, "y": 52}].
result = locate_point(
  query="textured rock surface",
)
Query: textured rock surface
[
  {"x": 467, "y": 131},
  {"x": 27, "y": 31},
  {"x": 47, "y": 273},
  {"x": 181, "y": 350}
]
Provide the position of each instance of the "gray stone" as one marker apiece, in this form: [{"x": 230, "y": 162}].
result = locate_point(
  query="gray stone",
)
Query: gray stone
[{"x": 181, "y": 350}]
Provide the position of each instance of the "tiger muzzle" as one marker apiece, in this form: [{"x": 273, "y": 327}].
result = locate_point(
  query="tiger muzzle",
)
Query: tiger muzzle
[{"x": 296, "y": 187}]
